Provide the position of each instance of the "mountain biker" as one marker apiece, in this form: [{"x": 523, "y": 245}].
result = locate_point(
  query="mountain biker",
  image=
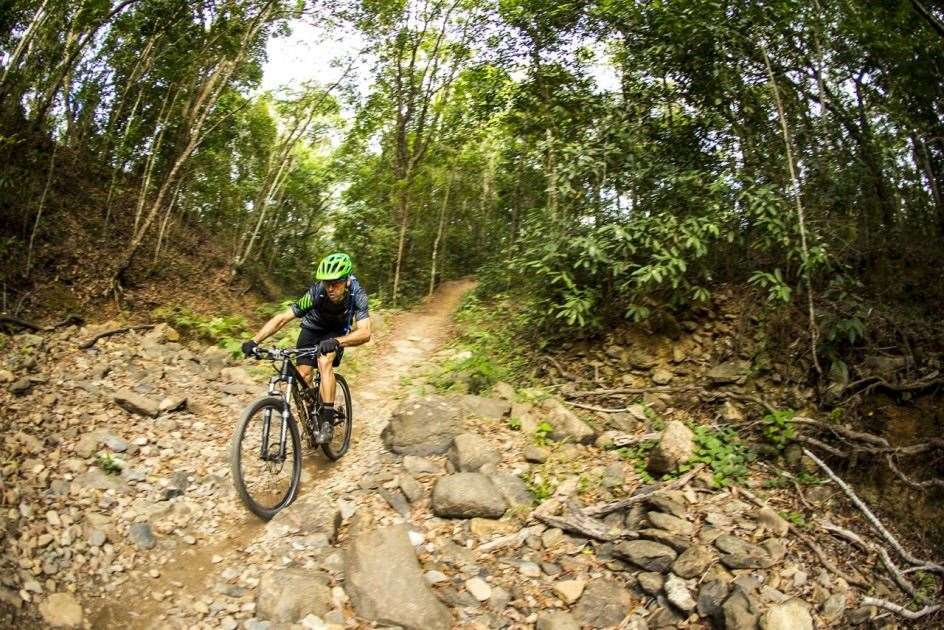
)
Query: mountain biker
[{"x": 334, "y": 316}]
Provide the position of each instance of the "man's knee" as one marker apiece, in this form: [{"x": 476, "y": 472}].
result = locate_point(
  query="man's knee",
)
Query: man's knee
[{"x": 326, "y": 363}]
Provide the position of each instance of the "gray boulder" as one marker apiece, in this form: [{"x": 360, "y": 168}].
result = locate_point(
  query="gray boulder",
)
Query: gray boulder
[
  {"x": 729, "y": 372},
  {"x": 793, "y": 614},
  {"x": 513, "y": 489},
  {"x": 290, "y": 595},
  {"x": 603, "y": 603},
  {"x": 557, "y": 621},
  {"x": 647, "y": 555},
  {"x": 423, "y": 426},
  {"x": 465, "y": 495},
  {"x": 488, "y": 408},
  {"x": 469, "y": 453},
  {"x": 676, "y": 446},
  {"x": 142, "y": 536},
  {"x": 386, "y": 585},
  {"x": 740, "y": 554},
  {"x": 306, "y": 516},
  {"x": 566, "y": 426},
  {"x": 694, "y": 561},
  {"x": 137, "y": 404}
]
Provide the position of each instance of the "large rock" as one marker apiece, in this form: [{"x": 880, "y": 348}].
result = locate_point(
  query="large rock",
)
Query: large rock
[
  {"x": 557, "y": 621},
  {"x": 711, "y": 596},
  {"x": 694, "y": 561},
  {"x": 465, "y": 495},
  {"x": 489, "y": 408},
  {"x": 469, "y": 453},
  {"x": 306, "y": 516},
  {"x": 290, "y": 595},
  {"x": 61, "y": 610},
  {"x": 603, "y": 603},
  {"x": 97, "y": 479},
  {"x": 566, "y": 426},
  {"x": 676, "y": 446},
  {"x": 729, "y": 372},
  {"x": 385, "y": 584},
  {"x": 677, "y": 592},
  {"x": 647, "y": 555},
  {"x": 423, "y": 426},
  {"x": 514, "y": 490},
  {"x": 740, "y": 554},
  {"x": 137, "y": 404},
  {"x": 741, "y": 610},
  {"x": 790, "y": 615}
]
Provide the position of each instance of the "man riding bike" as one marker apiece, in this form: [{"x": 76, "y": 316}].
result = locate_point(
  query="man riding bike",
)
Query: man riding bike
[{"x": 334, "y": 316}]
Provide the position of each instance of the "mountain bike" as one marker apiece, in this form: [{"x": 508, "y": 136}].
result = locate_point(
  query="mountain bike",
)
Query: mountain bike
[{"x": 265, "y": 453}]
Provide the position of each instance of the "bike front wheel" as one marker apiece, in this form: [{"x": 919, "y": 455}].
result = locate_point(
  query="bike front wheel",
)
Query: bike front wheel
[
  {"x": 266, "y": 476},
  {"x": 343, "y": 422}
]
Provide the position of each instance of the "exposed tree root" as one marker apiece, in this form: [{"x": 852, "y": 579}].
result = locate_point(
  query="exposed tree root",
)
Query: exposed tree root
[
  {"x": 911, "y": 615},
  {"x": 873, "y": 520},
  {"x": 88, "y": 343},
  {"x": 622, "y": 504}
]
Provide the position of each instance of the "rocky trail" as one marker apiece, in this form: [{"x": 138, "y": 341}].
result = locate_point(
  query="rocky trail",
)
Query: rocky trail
[{"x": 455, "y": 511}]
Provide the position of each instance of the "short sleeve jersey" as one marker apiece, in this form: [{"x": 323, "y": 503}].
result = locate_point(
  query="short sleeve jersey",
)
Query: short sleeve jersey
[{"x": 319, "y": 313}]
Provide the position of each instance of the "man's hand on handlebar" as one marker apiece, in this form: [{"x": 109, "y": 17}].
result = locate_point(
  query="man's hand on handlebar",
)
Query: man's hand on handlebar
[
  {"x": 250, "y": 348},
  {"x": 329, "y": 345}
]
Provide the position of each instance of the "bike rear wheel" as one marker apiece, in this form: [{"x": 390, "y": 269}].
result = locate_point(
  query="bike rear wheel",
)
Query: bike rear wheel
[
  {"x": 344, "y": 421},
  {"x": 265, "y": 482}
]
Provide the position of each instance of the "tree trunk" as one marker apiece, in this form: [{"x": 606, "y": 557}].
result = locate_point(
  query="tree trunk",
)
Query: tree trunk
[
  {"x": 38, "y": 19},
  {"x": 439, "y": 234},
  {"x": 801, "y": 220},
  {"x": 42, "y": 204},
  {"x": 402, "y": 203}
]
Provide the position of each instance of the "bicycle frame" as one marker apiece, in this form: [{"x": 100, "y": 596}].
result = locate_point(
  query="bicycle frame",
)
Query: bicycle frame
[{"x": 289, "y": 375}]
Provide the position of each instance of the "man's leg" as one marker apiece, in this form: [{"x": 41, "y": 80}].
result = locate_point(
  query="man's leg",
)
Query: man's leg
[
  {"x": 306, "y": 371},
  {"x": 326, "y": 367}
]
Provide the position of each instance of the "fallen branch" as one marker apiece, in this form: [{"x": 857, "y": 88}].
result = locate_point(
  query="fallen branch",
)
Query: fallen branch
[
  {"x": 597, "y": 409},
  {"x": 911, "y": 615},
  {"x": 920, "y": 485},
  {"x": 622, "y": 504},
  {"x": 632, "y": 390},
  {"x": 88, "y": 343},
  {"x": 890, "y": 565},
  {"x": 846, "y": 432},
  {"x": 628, "y": 440},
  {"x": 5, "y": 319},
  {"x": 578, "y": 523},
  {"x": 873, "y": 520},
  {"x": 823, "y": 558}
]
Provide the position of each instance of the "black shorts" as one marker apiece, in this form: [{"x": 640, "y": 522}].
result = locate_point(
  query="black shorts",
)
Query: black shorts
[{"x": 309, "y": 338}]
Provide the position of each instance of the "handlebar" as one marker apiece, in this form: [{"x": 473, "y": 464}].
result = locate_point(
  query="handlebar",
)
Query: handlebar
[{"x": 283, "y": 353}]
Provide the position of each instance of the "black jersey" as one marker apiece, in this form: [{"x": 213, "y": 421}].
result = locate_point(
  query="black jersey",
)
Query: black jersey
[{"x": 319, "y": 313}]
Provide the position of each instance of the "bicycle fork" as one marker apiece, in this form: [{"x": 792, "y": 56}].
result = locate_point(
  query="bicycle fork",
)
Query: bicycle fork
[{"x": 283, "y": 435}]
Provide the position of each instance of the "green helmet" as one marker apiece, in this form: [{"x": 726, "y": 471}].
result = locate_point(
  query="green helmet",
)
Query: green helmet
[{"x": 334, "y": 267}]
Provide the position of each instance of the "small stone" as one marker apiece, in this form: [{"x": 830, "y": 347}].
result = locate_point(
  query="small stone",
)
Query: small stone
[
  {"x": 676, "y": 446},
  {"x": 647, "y": 555},
  {"x": 662, "y": 376},
  {"x": 435, "y": 577},
  {"x": 479, "y": 589},
  {"x": 535, "y": 454},
  {"x": 772, "y": 521},
  {"x": 650, "y": 582},
  {"x": 790, "y": 615},
  {"x": 694, "y": 561},
  {"x": 529, "y": 569},
  {"x": 570, "y": 590},
  {"x": 96, "y": 538},
  {"x": 833, "y": 607},
  {"x": 142, "y": 536},
  {"x": 556, "y": 621},
  {"x": 412, "y": 489},
  {"x": 678, "y": 594},
  {"x": 61, "y": 610},
  {"x": 115, "y": 443}
]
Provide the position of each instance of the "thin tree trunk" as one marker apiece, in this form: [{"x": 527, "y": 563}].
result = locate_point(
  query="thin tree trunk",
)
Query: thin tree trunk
[
  {"x": 280, "y": 176},
  {"x": 38, "y": 19},
  {"x": 923, "y": 158},
  {"x": 402, "y": 202},
  {"x": 439, "y": 234},
  {"x": 42, "y": 204},
  {"x": 167, "y": 215},
  {"x": 161, "y": 127},
  {"x": 120, "y": 170},
  {"x": 814, "y": 331},
  {"x": 551, "y": 174}
]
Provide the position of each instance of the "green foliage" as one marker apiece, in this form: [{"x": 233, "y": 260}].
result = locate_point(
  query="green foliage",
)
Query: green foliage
[
  {"x": 796, "y": 518},
  {"x": 638, "y": 455},
  {"x": 108, "y": 464},
  {"x": 226, "y": 331},
  {"x": 779, "y": 429},
  {"x": 541, "y": 433},
  {"x": 777, "y": 289},
  {"x": 514, "y": 423},
  {"x": 722, "y": 451},
  {"x": 540, "y": 486}
]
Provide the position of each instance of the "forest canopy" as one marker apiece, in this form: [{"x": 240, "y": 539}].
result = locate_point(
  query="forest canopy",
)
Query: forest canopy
[{"x": 606, "y": 161}]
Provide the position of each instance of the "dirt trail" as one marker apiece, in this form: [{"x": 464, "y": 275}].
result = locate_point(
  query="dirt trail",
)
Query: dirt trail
[{"x": 187, "y": 575}]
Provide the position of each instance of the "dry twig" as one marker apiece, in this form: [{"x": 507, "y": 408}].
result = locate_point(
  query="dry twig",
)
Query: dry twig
[{"x": 622, "y": 504}]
